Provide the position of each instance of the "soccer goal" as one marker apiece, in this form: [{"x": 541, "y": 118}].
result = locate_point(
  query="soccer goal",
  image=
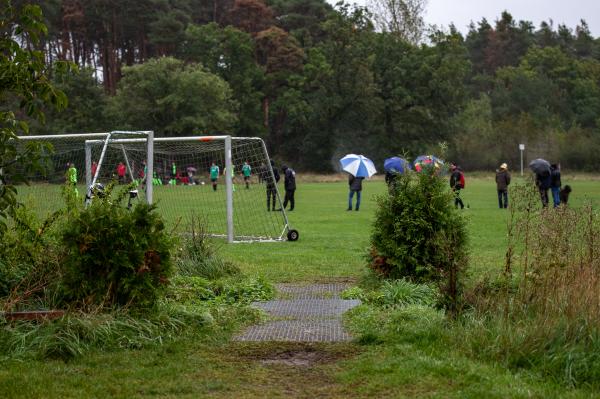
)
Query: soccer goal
[
  {"x": 226, "y": 182},
  {"x": 66, "y": 161}
]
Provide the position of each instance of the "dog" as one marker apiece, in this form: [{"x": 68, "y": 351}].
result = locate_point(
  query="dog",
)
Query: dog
[{"x": 564, "y": 194}]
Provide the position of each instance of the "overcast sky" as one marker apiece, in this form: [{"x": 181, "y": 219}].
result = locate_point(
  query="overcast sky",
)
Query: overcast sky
[{"x": 462, "y": 12}]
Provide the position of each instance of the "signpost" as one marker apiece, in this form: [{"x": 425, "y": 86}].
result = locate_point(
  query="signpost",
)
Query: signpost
[{"x": 521, "y": 148}]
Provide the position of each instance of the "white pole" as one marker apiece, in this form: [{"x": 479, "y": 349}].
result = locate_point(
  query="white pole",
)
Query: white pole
[
  {"x": 521, "y": 148},
  {"x": 88, "y": 165},
  {"x": 521, "y": 162},
  {"x": 149, "y": 165},
  {"x": 229, "y": 188},
  {"x": 88, "y": 197}
]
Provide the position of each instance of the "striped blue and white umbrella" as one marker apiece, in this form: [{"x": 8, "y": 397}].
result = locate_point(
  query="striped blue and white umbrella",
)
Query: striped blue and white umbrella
[{"x": 358, "y": 165}]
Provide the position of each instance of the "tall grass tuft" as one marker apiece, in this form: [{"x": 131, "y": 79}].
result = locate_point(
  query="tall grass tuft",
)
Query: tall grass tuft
[
  {"x": 544, "y": 311},
  {"x": 199, "y": 255},
  {"x": 76, "y": 334}
]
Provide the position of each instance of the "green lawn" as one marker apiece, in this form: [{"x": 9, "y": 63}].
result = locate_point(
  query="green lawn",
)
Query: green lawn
[{"x": 332, "y": 245}]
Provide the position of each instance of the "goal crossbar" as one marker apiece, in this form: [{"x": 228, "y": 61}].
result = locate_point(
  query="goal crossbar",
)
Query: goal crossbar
[{"x": 227, "y": 141}]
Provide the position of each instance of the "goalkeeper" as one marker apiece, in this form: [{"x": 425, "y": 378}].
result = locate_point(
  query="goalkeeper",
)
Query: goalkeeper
[
  {"x": 246, "y": 171},
  {"x": 214, "y": 175}
]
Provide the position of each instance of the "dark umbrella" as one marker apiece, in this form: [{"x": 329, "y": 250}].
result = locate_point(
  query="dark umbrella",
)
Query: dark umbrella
[
  {"x": 539, "y": 166},
  {"x": 396, "y": 164}
]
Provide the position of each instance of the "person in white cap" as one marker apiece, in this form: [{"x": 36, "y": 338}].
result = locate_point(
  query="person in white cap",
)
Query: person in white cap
[{"x": 502, "y": 183}]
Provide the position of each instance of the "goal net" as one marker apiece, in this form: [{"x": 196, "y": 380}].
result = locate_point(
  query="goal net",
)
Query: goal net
[
  {"x": 227, "y": 183},
  {"x": 65, "y": 163}
]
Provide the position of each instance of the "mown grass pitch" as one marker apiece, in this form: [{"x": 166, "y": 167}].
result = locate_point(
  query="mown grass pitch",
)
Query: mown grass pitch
[{"x": 333, "y": 242}]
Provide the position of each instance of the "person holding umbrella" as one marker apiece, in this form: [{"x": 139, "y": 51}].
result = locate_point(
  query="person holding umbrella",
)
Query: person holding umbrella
[
  {"x": 355, "y": 184},
  {"x": 358, "y": 167},
  {"x": 290, "y": 186},
  {"x": 543, "y": 180},
  {"x": 394, "y": 166}
]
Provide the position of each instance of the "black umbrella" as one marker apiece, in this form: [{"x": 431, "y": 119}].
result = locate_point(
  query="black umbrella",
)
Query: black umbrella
[{"x": 539, "y": 166}]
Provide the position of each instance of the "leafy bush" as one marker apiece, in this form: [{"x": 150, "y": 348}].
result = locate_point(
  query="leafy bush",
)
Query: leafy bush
[
  {"x": 115, "y": 256},
  {"x": 419, "y": 235}
]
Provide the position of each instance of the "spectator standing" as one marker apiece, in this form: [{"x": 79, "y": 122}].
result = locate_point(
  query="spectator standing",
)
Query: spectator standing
[
  {"x": 355, "y": 184},
  {"x": 290, "y": 186},
  {"x": 502, "y": 183},
  {"x": 555, "y": 183},
  {"x": 456, "y": 184},
  {"x": 271, "y": 185}
]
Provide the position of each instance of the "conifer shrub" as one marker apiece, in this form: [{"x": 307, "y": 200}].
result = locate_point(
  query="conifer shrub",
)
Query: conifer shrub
[{"x": 419, "y": 235}]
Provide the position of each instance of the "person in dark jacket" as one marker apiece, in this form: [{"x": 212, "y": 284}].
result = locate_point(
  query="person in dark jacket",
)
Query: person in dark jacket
[
  {"x": 502, "y": 183},
  {"x": 271, "y": 185},
  {"x": 543, "y": 181},
  {"x": 555, "y": 183},
  {"x": 455, "y": 185},
  {"x": 355, "y": 184},
  {"x": 290, "y": 186}
]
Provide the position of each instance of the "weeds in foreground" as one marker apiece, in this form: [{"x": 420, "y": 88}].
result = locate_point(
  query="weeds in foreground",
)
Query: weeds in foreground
[{"x": 544, "y": 311}]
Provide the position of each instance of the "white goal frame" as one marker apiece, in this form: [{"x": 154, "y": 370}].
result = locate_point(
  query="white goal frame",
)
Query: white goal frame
[
  {"x": 227, "y": 141},
  {"x": 106, "y": 138}
]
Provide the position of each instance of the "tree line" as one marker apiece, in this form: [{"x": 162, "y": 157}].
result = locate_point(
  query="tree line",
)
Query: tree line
[{"x": 317, "y": 81}]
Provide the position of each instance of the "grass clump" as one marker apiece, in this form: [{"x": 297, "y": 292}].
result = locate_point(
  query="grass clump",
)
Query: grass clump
[
  {"x": 394, "y": 293},
  {"x": 198, "y": 257}
]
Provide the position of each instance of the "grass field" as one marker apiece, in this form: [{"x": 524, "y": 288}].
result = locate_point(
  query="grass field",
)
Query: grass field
[{"x": 332, "y": 245}]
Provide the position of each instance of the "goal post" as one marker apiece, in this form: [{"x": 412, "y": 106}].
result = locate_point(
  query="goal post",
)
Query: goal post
[
  {"x": 93, "y": 173},
  {"x": 66, "y": 159},
  {"x": 227, "y": 181}
]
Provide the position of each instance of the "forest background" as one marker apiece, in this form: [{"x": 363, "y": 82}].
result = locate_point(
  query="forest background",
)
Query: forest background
[{"x": 317, "y": 81}]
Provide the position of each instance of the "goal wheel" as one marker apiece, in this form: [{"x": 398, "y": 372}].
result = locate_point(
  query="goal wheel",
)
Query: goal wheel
[{"x": 293, "y": 235}]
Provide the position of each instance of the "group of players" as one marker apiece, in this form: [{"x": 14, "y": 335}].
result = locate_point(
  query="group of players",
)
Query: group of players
[{"x": 214, "y": 172}]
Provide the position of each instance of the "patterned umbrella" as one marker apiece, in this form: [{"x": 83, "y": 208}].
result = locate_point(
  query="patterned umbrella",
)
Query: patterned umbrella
[
  {"x": 423, "y": 161},
  {"x": 358, "y": 165}
]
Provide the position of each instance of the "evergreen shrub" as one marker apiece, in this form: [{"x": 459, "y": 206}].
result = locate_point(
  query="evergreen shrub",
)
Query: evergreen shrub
[{"x": 418, "y": 234}]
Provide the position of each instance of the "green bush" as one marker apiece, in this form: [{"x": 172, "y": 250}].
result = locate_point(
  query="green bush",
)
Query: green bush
[
  {"x": 115, "y": 256},
  {"x": 419, "y": 235}
]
